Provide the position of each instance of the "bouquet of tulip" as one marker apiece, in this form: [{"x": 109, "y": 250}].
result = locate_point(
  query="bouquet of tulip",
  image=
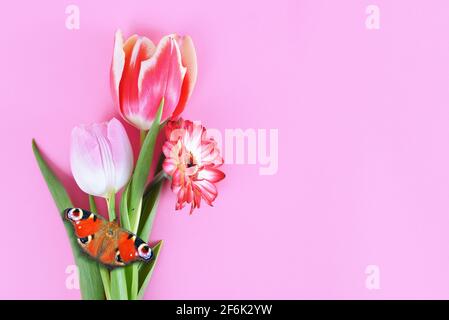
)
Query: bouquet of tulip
[{"x": 151, "y": 86}]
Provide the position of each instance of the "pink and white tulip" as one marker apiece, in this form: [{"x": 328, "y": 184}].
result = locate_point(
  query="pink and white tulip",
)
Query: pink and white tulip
[
  {"x": 101, "y": 157},
  {"x": 192, "y": 161},
  {"x": 143, "y": 74}
]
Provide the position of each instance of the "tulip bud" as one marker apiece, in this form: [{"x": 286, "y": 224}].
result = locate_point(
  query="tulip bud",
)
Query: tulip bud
[
  {"x": 101, "y": 158},
  {"x": 143, "y": 74}
]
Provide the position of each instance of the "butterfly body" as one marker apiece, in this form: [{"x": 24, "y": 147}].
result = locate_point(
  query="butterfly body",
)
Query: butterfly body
[{"x": 105, "y": 240}]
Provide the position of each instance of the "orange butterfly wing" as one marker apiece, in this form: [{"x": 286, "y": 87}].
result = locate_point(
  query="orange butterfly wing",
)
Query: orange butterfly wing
[
  {"x": 126, "y": 246},
  {"x": 91, "y": 225},
  {"x": 88, "y": 229},
  {"x": 106, "y": 241},
  {"x": 133, "y": 248}
]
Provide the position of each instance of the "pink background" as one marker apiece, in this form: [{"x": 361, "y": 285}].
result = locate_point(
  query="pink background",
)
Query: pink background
[{"x": 363, "y": 145}]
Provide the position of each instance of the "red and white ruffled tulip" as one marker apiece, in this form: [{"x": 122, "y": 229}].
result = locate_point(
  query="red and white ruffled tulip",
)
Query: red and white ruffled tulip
[
  {"x": 192, "y": 161},
  {"x": 143, "y": 74},
  {"x": 101, "y": 157}
]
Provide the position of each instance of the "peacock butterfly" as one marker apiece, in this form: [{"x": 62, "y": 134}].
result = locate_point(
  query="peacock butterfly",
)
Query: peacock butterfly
[{"x": 105, "y": 240}]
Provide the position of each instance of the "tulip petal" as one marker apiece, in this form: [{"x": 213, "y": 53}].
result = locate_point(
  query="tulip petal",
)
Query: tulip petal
[
  {"x": 160, "y": 77},
  {"x": 118, "y": 63},
  {"x": 189, "y": 61},
  {"x": 108, "y": 165},
  {"x": 122, "y": 153},
  {"x": 137, "y": 49},
  {"x": 101, "y": 158},
  {"x": 86, "y": 163}
]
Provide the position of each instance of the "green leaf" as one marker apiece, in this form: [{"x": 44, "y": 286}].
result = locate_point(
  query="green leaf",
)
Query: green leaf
[
  {"x": 149, "y": 208},
  {"x": 124, "y": 222},
  {"x": 118, "y": 284},
  {"x": 142, "y": 170},
  {"x": 146, "y": 270},
  {"x": 106, "y": 279},
  {"x": 89, "y": 274},
  {"x": 57, "y": 190},
  {"x": 150, "y": 199},
  {"x": 129, "y": 280},
  {"x": 134, "y": 275},
  {"x": 149, "y": 202},
  {"x": 124, "y": 215}
]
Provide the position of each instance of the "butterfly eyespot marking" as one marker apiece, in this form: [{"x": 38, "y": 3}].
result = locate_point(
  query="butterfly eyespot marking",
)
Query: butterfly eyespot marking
[
  {"x": 75, "y": 214},
  {"x": 86, "y": 240},
  {"x": 118, "y": 258},
  {"x": 145, "y": 251}
]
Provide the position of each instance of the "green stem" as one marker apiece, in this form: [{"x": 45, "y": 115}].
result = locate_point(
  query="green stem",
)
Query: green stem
[
  {"x": 111, "y": 206},
  {"x": 92, "y": 204},
  {"x": 143, "y": 134}
]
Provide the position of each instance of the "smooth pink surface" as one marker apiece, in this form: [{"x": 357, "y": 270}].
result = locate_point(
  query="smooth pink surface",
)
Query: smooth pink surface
[{"x": 363, "y": 119}]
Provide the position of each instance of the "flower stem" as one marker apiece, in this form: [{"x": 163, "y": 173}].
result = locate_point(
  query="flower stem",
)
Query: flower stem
[
  {"x": 143, "y": 135},
  {"x": 111, "y": 206}
]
